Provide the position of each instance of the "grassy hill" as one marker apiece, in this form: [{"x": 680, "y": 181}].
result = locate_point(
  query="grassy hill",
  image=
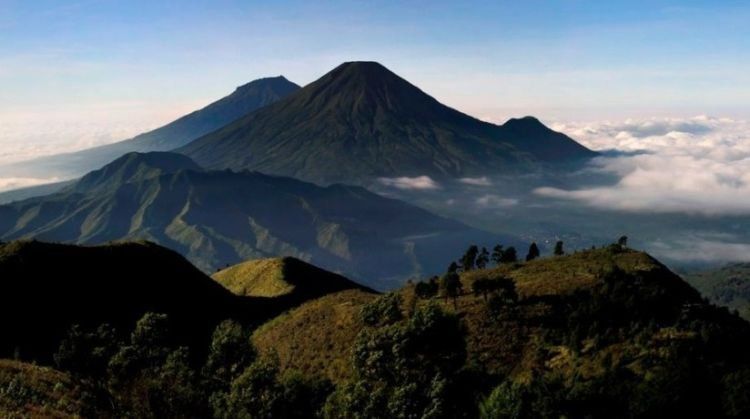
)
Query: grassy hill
[
  {"x": 275, "y": 277},
  {"x": 315, "y": 339},
  {"x": 728, "y": 286}
]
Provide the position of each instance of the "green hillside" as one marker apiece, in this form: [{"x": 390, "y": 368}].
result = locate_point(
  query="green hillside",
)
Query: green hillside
[
  {"x": 277, "y": 277},
  {"x": 579, "y": 322},
  {"x": 137, "y": 331},
  {"x": 728, "y": 286},
  {"x": 220, "y": 218}
]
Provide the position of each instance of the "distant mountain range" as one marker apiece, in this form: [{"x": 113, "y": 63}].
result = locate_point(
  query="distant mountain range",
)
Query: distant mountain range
[
  {"x": 361, "y": 121},
  {"x": 243, "y": 100},
  {"x": 216, "y": 218}
]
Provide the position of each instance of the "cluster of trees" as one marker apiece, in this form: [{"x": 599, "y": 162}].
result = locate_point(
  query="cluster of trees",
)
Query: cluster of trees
[
  {"x": 406, "y": 366},
  {"x": 476, "y": 258},
  {"x": 146, "y": 375}
]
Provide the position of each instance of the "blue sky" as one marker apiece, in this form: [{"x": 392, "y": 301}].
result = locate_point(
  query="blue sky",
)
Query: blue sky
[{"x": 145, "y": 61}]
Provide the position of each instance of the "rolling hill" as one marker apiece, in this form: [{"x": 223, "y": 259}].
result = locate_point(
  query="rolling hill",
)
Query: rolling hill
[
  {"x": 243, "y": 100},
  {"x": 277, "y": 277},
  {"x": 45, "y": 288},
  {"x": 219, "y": 218},
  {"x": 361, "y": 121},
  {"x": 632, "y": 304}
]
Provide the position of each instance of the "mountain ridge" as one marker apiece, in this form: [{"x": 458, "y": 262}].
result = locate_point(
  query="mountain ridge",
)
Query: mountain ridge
[{"x": 215, "y": 218}]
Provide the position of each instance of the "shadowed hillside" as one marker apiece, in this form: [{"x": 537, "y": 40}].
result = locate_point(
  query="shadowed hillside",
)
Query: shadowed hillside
[
  {"x": 45, "y": 288},
  {"x": 361, "y": 121}
]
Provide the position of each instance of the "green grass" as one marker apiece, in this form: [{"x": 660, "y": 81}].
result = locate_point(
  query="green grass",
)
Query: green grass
[{"x": 317, "y": 337}]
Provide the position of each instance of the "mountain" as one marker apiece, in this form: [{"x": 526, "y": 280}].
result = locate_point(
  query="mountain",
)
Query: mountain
[
  {"x": 217, "y": 218},
  {"x": 361, "y": 121},
  {"x": 275, "y": 277},
  {"x": 243, "y": 100},
  {"x": 728, "y": 286}
]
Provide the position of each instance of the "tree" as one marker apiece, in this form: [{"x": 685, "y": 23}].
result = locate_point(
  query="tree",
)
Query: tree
[
  {"x": 482, "y": 259},
  {"x": 497, "y": 254},
  {"x": 452, "y": 287},
  {"x": 255, "y": 393},
  {"x": 427, "y": 290},
  {"x": 533, "y": 252},
  {"x": 87, "y": 352},
  {"x": 509, "y": 255},
  {"x": 559, "y": 248},
  {"x": 384, "y": 310},
  {"x": 623, "y": 241},
  {"x": 468, "y": 260},
  {"x": 453, "y": 267},
  {"x": 504, "y": 296},
  {"x": 481, "y": 286},
  {"x": 150, "y": 378},
  {"x": 229, "y": 354},
  {"x": 407, "y": 369}
]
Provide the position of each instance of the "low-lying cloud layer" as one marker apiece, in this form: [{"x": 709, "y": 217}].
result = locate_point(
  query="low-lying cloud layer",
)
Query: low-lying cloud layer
[
  {"x": 10, "y": 183},
  {"x": 699, "y": 165},
  {"x": 410, "y": 183}
]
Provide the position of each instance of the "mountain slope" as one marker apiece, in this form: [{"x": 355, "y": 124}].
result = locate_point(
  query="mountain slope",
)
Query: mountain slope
[
  {"x": 217, "y": 218},
  {"x": 243, "y": 100},
  {"x": 728, "y": 286},
  {"x": 362, "y": 121},
  {"x": 48, "y": 287},
  {"x": 563, "y": 302},
  {"x": 45, "y": 288}
]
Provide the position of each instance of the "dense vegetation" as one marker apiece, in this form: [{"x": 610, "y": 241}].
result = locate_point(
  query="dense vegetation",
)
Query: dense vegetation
[{"x": 600, "y": 333}]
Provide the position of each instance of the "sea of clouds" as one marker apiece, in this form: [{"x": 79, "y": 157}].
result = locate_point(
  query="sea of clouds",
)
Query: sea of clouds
[{"x": 697, "y": 165}]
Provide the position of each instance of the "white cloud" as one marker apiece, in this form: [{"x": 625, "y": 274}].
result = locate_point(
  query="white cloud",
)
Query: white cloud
[
  {"x": 410, "y": 183},
  {"x": 495, "y": 201},
  {"x": 698, "y": 165},
  {"x": 476, "y": 181},
  {"x": 27, "y": 134},
  {"x": 10, "y": 183}
]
